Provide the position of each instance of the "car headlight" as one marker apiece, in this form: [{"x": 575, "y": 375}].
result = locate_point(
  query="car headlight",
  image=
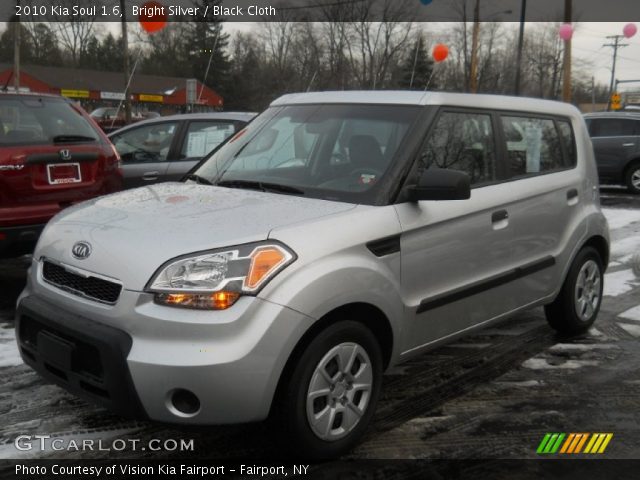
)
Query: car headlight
[{"x": 214, "y": 280}]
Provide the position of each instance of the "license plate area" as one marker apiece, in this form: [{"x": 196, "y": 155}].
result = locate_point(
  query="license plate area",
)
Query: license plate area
[
  {"x": 55, "y": 350},
  {"x": 63, "y": 173}
]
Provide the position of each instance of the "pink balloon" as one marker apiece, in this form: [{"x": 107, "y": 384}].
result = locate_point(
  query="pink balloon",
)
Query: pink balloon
[
  {"x": 630, "y": 30},
  {"x": 566, "y": 31}
]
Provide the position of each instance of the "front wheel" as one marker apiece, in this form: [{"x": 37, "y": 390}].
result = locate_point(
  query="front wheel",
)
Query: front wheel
[
  {"x": 632, "y": 178},
  {"x": 577, "y": 306},
  {"x": 331, "y": 395}
]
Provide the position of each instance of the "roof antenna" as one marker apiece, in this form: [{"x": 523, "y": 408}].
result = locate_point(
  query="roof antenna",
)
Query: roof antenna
[{"x": 6, "y": 85}]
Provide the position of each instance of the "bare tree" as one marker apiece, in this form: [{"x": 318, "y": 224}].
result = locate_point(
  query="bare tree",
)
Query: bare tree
[{"x": 74, "y": 33}]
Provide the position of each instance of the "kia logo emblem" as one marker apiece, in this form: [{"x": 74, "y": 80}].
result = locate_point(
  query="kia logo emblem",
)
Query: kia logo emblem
[
  {"x": 65, "y": 154},
  {"x": 81, "y": 250}
]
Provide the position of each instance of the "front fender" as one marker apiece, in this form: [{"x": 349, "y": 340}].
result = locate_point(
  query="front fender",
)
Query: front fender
[{"x": 341, "y": 279}]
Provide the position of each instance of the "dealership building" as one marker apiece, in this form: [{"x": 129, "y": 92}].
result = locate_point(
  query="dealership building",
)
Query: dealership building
[{"x": 94, "y": 88}]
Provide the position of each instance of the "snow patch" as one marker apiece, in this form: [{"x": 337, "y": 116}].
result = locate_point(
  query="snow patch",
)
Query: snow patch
[
  {"x": 625, "y": 246},
  {"x": 583, "y": 347},
  {"x": 9, "y": 354},
  {"x": 523, "y": 383},
  {"x": 617, "y": 283},
  {"x": 594, "y": 332},
  {"x": 620, "y": 217},
  {"x": 543, "y": 364},
  {"x": 632, "y": 314},
  {"x": 631, "y": 329}
]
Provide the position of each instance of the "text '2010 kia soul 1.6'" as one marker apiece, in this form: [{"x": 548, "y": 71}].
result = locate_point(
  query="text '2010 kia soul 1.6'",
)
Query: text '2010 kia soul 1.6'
[{"x": 337, "y": 235}]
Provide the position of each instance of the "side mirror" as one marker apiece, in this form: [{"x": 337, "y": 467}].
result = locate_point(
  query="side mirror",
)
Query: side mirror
[{"x": 441, "y": 184}]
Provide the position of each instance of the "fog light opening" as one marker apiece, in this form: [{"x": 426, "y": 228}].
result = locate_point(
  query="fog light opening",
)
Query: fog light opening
[{"x": 184, "y": 402}]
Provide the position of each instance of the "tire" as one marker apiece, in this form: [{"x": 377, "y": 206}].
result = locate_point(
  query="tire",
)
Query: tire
[
  {"x": 632, "y": 178},
  {"x": 578, "y": 303},
  {"x": 328, "y": 426}
]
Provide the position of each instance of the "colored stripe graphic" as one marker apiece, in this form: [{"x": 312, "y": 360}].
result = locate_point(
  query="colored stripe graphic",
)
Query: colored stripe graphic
[
  {"x": 574, "y": 443},
  {"x": 550, "y": 443},
  {"x": 598, "y": 442}
]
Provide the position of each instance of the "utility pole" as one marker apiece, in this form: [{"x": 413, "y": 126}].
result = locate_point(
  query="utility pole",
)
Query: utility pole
[
  {"x": 125, "y": 56},
  {"x": 473, "y": 80},
  {"x": 615, "y": 45},
  {"x": 16, "y": 52},
  {"x": 566, "y": 62},
  {"x": 523, "y": 10}
]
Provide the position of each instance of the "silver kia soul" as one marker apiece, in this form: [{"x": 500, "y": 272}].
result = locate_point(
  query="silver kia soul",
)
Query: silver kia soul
[{"x": 337, "y": 235}]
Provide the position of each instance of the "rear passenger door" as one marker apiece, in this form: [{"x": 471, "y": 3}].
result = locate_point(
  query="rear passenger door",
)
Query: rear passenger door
[
  {"x": 455, "y": 254},
  {"x": 545, "y": 200},
  {"x": 614, "y": 140}
]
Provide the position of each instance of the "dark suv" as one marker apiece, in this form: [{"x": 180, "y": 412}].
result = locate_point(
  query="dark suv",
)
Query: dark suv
[
  {"x": 52, "y": 155},
  {"x": 616, "y": 142}
]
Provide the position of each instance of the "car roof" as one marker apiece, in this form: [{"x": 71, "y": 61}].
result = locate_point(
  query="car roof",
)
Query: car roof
[
  {"x": 630, "y": 115},
  {"x": 405, "y": 97},
  {"x": 234, "y": 116}
]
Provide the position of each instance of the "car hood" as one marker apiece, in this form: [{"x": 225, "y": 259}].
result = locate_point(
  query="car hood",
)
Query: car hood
[{"x": 134, "y": 232}]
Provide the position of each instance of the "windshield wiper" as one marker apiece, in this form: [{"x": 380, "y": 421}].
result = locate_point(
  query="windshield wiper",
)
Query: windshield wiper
[
  {"x": 261, "y": 186},
  {"x": 72, "y": 138},
  {"x": 197, "y": 178}
]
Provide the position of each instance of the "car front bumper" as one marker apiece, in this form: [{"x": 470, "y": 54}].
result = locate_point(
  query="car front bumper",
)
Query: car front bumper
[{"x": 134, "y": 356}]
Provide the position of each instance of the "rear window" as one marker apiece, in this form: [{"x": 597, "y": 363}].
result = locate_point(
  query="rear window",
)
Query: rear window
[{"x": 33, "y": 121}]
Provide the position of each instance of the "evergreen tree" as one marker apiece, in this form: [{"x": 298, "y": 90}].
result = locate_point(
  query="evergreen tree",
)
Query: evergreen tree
[
  {"x": 417, "y": 68},
  {"x": 204, "y": 40}
]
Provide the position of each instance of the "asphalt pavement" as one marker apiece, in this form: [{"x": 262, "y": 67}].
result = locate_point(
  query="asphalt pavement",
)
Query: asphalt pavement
[{"x": 492, "y": 395}]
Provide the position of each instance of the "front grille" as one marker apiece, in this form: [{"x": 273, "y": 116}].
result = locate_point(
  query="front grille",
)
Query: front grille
[{"x": 90, "y": 287}]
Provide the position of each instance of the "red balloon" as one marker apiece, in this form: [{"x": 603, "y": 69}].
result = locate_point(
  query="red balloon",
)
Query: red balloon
[
  {"x": 153, "y": 16},
  {"x": 440, "y": 52}
]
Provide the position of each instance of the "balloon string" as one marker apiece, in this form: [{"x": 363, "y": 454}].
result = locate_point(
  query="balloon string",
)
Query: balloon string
[{"x": 433, "y": 70}]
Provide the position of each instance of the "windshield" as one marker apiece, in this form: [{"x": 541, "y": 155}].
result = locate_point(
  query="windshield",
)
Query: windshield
[{"x": 335, "y": 152}]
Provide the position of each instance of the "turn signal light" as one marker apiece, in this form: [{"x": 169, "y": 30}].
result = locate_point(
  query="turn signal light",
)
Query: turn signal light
[
  {"x": 263, "y": 262},
  {"x": 201, "y": 301}
]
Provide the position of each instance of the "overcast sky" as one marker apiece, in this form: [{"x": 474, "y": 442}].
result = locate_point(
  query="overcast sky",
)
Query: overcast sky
[{"x": 586, "y": 46}]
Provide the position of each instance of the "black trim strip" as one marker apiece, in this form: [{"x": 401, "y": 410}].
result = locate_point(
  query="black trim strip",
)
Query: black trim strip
[
  {"x": 484, "y": 285},
  {"x": 49, "y": 158},
  {"x": 385, "y": 246}
]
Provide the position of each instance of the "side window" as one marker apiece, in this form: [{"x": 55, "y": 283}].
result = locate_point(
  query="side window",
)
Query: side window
[
  {"x": 535, "y": 148},
  {"x": 145, "y": 144},
  {"x": 569, "y": 141},
  {"x": 611, "y": 127},
  {"x": 204, "y": 136},
  {"x": 465, "y": 142}
]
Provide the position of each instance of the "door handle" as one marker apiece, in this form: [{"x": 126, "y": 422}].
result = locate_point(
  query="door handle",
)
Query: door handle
[
  {"x": 150, "y": 176},
  {"x": 499, "y": 216},
  {"x": 572, "y": 196},
  {"x": 628, "y": 144}
]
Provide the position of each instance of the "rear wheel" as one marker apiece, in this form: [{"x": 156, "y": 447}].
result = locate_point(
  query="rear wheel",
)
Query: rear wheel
[
  {"x": 577, "y": 306},
  {"x": 632, "y": 178},
  {"x": 331, "y": 395}
]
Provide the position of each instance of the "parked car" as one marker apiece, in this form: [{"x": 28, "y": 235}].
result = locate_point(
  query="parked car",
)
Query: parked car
[
  {"x": 110, "y": 119},
  {"x": 51, "y": 156},
  {"x": 166, "y": 148},
  {"x": 616, "y": 142},
  {"x": 339, "y": 234}
]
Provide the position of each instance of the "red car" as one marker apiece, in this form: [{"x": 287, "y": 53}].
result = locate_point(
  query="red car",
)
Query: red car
[{"x": 52, "y": 155}]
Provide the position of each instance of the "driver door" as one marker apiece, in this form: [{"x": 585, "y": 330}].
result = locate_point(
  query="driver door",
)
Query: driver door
[{"x": 144, "y": 151}]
